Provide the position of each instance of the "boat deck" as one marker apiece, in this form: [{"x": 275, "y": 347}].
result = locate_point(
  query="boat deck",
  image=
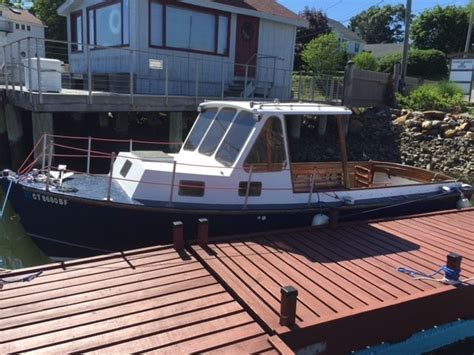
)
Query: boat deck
[{"x": 225, "y": 297}]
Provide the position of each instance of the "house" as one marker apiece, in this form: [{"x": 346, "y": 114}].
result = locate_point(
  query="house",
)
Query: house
[
  {"x": 240, "y": 47},
  {"x": 16, "y": 25},
  {"x": 355, "y": 44},
  {"x": 382, "y": 49}
]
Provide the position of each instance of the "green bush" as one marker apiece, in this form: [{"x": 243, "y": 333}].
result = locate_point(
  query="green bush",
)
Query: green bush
[
  {"x": 324, "y": 54},
  {"x": 444, "y": 96},
  {"x": 426, "y": 63},
  {"x": 366, "y": 60}
]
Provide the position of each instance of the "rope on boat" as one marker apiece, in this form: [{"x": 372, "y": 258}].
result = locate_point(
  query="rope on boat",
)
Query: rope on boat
[
  {"x": 71, "y": 244},
  {"x": 27, "y": 278},
  {"x": 4, "y": 206},
  {"x": 451, "y": 276}
]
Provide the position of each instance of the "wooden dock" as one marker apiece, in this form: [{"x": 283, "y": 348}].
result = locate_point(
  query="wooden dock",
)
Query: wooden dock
[{"x": 226, "y": 296}]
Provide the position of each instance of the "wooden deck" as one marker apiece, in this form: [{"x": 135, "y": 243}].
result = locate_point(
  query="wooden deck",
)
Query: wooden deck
[
  {"x": 149, "y": 300},
  {"x": 350, "y": 293},
  {"x": 225, "y": 298}
]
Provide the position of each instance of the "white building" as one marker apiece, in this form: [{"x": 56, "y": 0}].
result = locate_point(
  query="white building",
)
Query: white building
[
  {"x": 15, "y": 25},
  {"x": 220, "y": 43},
  {"x": 355, "y": 44}
]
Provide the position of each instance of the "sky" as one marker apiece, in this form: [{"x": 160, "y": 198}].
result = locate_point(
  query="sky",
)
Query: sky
[{"x": 343, "y": 10}]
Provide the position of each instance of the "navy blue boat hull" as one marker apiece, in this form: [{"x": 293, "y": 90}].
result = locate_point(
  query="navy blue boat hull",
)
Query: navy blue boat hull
[{"x": 68, "y": 227}]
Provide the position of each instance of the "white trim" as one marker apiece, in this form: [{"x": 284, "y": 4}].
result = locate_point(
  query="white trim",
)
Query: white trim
[{"x": 242, "y": 11}]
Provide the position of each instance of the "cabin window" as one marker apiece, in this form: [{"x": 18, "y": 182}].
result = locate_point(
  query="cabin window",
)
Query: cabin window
[
  {"x": 76, "y": 31},
  {"x": 126, "y": 168},
  {"x": 216, "y": 132},
  {"x": 268, "y": 152},
  {"x": 191, "y": 188},
  {"x": 108, "y": 23},
  {"x": 255, "y": 188},
  {"x": 235, "y": 139},
  {"x": 199, "y": 129},
  {"x": 188, "y": 28}
]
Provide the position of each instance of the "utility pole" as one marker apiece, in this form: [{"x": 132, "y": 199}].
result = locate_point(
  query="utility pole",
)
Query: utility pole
[
  {"x": 405, "y": 43},
  {"x": 467, "y": 48}
]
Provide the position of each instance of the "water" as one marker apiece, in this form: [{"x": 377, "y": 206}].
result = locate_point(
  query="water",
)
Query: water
[{"x": 17, "y": 250}]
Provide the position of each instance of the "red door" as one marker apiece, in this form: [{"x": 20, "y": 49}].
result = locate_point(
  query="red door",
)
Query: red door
[{"x": 246, "y": 47}]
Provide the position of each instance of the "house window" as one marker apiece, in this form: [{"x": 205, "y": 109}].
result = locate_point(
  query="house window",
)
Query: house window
[
  {"x": 17, "y": 26},
  {"x": 109, "y": 24},
  {"x": 76, "y": 31},
  {"x": 28, "y": 28},
  {"x": 268, "y": 152},
  {"x": 188, "y": 28},
  {"x": 356, "y": 47},
  {"x": 23, "y": 27}
]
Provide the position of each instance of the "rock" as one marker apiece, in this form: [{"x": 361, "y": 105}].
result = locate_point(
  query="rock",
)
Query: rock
[
  {"x": 412, "y": 122},
  {"x": 469, "y": 136},
  {"x": 452, "y": 123},
  {"x": 356, "y": 125},
  {"x": 436, "y": 123},
  {"x": 450, "y": 133},
  {"x": 434, "y": 115},
  {"x": 426, "y": 125},
  {"x": 464, "y": 126},
  {"x": 416, "y": 114},
  {"x": 400, "y": 120}
]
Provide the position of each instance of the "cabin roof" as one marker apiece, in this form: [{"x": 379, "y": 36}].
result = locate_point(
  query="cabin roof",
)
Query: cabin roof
[{"x": 286, "y": 108}]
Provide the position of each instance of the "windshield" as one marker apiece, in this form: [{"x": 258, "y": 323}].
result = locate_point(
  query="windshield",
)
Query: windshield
[
  {"x": 216, "y": 132},
  {"x": 202, "y": 124},
  {"x": 235, "y": 139}
]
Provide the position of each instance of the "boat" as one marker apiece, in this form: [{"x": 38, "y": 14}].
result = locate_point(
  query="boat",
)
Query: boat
[{"x": 234, "y": 169}]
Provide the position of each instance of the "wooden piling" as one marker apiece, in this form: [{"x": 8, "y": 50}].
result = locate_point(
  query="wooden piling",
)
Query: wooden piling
[
  {"x": 454, "y": 261},
  {"x": 178, "y": 236},
  {"x": 203, "y": 232},
  {"x": 289, "y": 296}
]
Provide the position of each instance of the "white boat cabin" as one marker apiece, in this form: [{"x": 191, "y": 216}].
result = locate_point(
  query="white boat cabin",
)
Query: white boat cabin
[{"x": 237, "y": 154}]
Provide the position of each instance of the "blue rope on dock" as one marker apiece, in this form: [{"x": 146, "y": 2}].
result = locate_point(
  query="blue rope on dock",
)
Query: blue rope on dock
[
  {"x": 4, "y": 206},
  {"x": 449, "y": 274}
]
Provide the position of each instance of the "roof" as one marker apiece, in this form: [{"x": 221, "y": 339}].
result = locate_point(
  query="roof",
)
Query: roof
[
  {"x": 268, "y": 9},
  {"x": 289, "y": 108},
  {"x": 19, "y": 15},
  {"x": 382, "y": 49},
  {"x": 344, "y": 31},
  {"x": 271, "y": 7}
]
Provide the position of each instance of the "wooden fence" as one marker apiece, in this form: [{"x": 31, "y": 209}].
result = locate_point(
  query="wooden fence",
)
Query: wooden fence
[{"x": 365, "y": 88}]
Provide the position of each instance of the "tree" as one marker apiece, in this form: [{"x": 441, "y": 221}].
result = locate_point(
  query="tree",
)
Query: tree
[
  {"x": 325, "y": 54},
  {"x": 380, "y": 24},
  {"x": 46, "y": 11},
  {"x": 441, "y": 28},
  {"x": 317, "y": 25},
  {"x": 366, "y": 60},
  {"x": 425, "y": 63}
]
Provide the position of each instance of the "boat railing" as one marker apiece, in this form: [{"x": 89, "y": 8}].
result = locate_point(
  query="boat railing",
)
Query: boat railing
[{"x": 43, "y": 155}]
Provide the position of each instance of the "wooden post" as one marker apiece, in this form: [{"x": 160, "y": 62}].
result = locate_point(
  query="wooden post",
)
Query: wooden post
[
  {"x": 343, "y": 147},
  {"x": 111, "y": 177},
  {"x": 203, "y": 231},
  {"x": 348, "y": 84},
  {"x": 178, "y": 236},
  {"x": 289, "y": 296},
  {"x": 333, "y": 218}
]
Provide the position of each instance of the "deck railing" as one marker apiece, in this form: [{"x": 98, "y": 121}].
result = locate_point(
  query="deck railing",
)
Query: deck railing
[{"x": 92, "y": 70}]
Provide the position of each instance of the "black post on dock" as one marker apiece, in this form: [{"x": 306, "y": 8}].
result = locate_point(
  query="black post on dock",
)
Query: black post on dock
[
  {"x": 289, "y": 296},
  {"x": 454, "y": 261},
  {"x": 203, "y": 232},
  {"x": 178, "y": 236}
]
